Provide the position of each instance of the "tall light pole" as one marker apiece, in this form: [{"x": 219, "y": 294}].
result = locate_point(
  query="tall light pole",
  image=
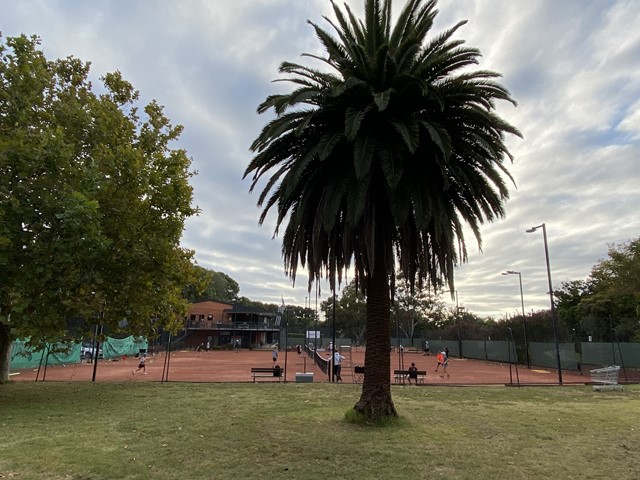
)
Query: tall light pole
[
  {"x": 333, "y": 340},
  {"x": 524, "y": 321},
  {"x": 317, "y": 333},
  {"x": 553, "y": 307},
  {"x": 458, "y": 308}
]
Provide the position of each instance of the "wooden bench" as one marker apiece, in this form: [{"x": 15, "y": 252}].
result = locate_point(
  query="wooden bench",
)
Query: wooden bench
[
  {"x": 266, "y": 373},
  {"x": 402, "y": 376}
]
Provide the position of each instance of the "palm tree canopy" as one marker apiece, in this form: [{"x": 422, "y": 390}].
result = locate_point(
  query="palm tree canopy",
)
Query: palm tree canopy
[{"x": 389, "y": 149}]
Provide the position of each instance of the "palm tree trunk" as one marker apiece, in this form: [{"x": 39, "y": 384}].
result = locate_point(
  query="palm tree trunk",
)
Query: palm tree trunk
[{"x": 375, "y": 400}]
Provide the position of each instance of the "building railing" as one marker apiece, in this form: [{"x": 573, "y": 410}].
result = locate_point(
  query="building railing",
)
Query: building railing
[{"x": 214, "y": 325}]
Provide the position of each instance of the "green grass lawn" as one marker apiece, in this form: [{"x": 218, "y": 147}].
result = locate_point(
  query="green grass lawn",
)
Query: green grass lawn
[{"x": 298, "y": 431}]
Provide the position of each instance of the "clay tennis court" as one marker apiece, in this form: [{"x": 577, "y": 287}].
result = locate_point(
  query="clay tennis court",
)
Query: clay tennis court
[{"x": 230, "y": 366}]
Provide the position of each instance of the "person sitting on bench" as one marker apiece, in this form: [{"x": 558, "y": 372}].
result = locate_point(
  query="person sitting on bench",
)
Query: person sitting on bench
[{"x": 413, "y": 373}]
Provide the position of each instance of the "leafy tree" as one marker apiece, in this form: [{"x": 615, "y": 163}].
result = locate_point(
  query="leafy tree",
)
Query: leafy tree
[
  {"x": 299, "y": 319},
  {"x": 350, "y": 312},
  {"x": 421, "y": 307},
  {"x": 608, "y": 299},
  {"x": 212, "y": 285},
  {"x": 93, "y": 203},
  {"x": 380, "y": 161},
  {"x": 621, "y": 271},
  {"x": 265, "y": 307},
  {"x": 616, "y": 292},
  {"x": 569, "y": 305},
  {"x": 466, "y": 325},
  {"x": 540, "y": 328}
]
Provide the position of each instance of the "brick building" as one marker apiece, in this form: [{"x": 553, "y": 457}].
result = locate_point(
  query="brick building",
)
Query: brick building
[{"x": 223, "y": 324}]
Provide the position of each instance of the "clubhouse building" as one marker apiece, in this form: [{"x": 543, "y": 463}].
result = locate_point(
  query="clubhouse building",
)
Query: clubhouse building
[{"x": 222, "y": 325}]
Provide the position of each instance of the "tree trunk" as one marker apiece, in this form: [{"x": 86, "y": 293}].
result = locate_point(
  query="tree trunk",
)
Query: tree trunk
[
  {"x": 5, "y": 352},
  {"x": 375, "y": 401}
]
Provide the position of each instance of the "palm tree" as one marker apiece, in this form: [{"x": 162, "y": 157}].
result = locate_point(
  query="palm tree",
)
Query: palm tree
[{"x": 378, "y": 161}]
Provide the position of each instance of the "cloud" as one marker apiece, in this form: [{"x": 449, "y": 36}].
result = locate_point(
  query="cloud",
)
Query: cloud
[{"x": 573, "y": 66}]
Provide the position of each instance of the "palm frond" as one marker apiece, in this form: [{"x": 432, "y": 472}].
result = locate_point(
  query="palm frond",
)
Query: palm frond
[
  {"x": 353, "y": 120},
  {"x": 382, "y": 99},
  {"x": 409, "y": 130},
  {"x": 363, "y": 150},
  {"x": 391, "y": 165},
  {"x": 392, "y": 153},
  {"x": 357, "y": 194}
]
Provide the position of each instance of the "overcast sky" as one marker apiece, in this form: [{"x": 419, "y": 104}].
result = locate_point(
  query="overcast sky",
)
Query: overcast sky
[{"x": 572, "y": 65}]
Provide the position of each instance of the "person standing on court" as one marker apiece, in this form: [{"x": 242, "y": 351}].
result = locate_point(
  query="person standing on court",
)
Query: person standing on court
[
  {"x": 274, "y": 355},
  {"x": 439, "y": 359},
  {"x": 337, "y": 365},
  {"x": 445, "y": 363}
]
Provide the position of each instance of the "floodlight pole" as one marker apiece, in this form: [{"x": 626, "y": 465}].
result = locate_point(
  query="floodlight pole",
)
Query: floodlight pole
[
  {"x": 514, "y": 347},
  {"x": 286, "y": 341},
  {"x": 96, "y": 352},
  {"x": 524, "y": 321},
  {"x": 458, "y": 325},
  {"x": 553, "y": 307},
  {"x": 317, "y": 332},
  {"x": 333, "y": 349}
]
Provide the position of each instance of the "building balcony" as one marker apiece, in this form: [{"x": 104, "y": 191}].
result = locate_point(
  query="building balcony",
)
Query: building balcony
[{"x": 229, "y": 326}]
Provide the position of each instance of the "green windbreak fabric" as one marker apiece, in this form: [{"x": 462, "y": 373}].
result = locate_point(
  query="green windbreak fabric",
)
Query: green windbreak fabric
[
  {"x": 119, "y": 347},
  {"x": 26, "y": 357}
]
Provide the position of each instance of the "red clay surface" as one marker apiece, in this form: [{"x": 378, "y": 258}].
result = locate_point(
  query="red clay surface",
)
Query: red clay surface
[{"x": 229, "y": 366}]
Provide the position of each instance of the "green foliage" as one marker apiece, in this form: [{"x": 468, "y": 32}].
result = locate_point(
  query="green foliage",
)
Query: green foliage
[
  {"x": 399, "y": 143},
  {"x": 621, "y": 271},
  {"x": 93, "y": 200},
  {"x": 212, "y": 285},
  {"x": 299, "y": 319},
  {"x": 380, "y": 159},
  {"x": 606, "y": 306},
  {"x": 568, "y": 298},
  {"x": 416, "y": 308},
  {"x": 350, "y": 312}
]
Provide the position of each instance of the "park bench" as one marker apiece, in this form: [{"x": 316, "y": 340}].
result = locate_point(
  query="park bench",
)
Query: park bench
[
  {"x": 266, "y": 373},
  {"x": 402, "y": 376}
]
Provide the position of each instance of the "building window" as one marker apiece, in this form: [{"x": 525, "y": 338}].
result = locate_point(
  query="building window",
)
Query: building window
[
  {"x": 201, "y": 317},
  {"x": 193, "y": 317},
  {"x": 209, "y": 317}
]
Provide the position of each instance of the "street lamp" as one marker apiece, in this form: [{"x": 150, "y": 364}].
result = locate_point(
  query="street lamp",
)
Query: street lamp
[
  {"x": 317, "y": 332},
  {"x": 458, "y": 309},
  {"x": 553, "y": 308},
  {"x": 333, "y": 339},
  {"x": 524, "y": 322}
]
